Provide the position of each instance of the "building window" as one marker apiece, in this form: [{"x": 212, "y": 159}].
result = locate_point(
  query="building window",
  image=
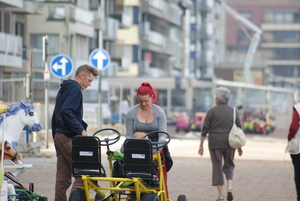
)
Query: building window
[
  {"x": 19, "y": 29},
  {"x": 136, "y": 15},
  {"x": 243, "y": 36},
  {"x": 162, "y": 97},
  {"x": 286, "y": 53},
  {"x": 178, "y": 98},
  {"x": 286, "y": 36},
  {"x": 281, "y": 17},
  {"x": 94, "y": 41},
  {"x": 56, "y": 13},
  {"x": 242, "y": 49},
  {"x": 285, "y": 71},
  {"x": 246, "y": 14},
  {"x": 82, "y": 47},
  {"x": 135, "y": 53},
  {"x": 286, "y": 17},
  {"x": 94, "y": 4},
  {"x": 36, "y": 42},
  {"x": 83, "y": 4}
]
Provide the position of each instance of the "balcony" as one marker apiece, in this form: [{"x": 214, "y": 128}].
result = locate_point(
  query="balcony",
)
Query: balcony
[
  {"x": 10, "y": 50},
  {"x": 170, "y": 12},
  {"x": 144, "y": 29},
  {"x": 157, "y": 42},
  {"x": 120, "y": 56},
  {"x": 236, "y": 61},
  {"x": 111, "y": 27},
  {"x": 206, "y": 6},
  {"x": 59, "y": 12},
  {"x": 206, "y": 58},
  {"x": 122, "y": 14},
  {"x": 206, "y": 31},
  {"x": 78, "y": 20},
  {"x": 26, "y": 8},
  {"x": 11, "y": 3},
  {"x": 144, "y": 69}
]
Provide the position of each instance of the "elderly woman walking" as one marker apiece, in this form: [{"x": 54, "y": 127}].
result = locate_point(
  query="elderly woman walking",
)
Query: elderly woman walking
[{"x": 218, "y": 123}]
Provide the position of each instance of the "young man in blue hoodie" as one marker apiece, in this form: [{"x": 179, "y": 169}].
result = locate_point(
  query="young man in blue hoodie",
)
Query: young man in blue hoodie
[{"x": 66, "y": 123}]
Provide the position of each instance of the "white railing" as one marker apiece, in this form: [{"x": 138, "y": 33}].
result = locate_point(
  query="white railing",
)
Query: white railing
[
  {"x": 157, "y": 38},
  {"x": 111, "y": 27},
  {"x": 158, "y": 4},
  {"x": 10, "y": 50},
  {"x": 84, "y": 16},
  {"x": 126, "y": 19}
]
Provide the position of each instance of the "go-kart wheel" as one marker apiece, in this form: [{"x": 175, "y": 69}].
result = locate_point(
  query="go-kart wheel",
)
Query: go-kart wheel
[
  {"x": 77, "y": 195},
  {"x": 159, "y": 144},
  {"x": 43, "y": 199},
  {"x": 31, "y": 187},
  {"x": 182, "y": 198},
  {"x": 98, "y": 197},
  {"x": 150, "y": 197},
  {"x": 108, "y": 141}
]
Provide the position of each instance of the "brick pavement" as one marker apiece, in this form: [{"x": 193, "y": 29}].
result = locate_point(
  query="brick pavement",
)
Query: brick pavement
[{"x": 263, "y": 173}]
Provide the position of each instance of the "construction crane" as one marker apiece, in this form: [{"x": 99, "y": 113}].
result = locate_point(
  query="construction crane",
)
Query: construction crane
[{"x": 242, "y": 21}]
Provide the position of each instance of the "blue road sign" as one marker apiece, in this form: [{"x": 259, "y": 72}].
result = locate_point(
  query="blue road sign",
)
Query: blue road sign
[
  {"x": 100, "y": 59},
  {"x": 61, "y": 66}
]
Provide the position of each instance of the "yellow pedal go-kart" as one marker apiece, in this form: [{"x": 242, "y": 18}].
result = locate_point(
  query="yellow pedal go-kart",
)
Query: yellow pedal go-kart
[{"x": 135, "y": 175}]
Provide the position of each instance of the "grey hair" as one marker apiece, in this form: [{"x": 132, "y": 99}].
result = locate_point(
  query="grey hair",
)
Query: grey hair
[{"x": 223, "y": 94}]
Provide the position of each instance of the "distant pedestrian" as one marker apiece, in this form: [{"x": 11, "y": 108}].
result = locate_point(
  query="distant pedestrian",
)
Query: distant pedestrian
[
  {"x": 294, "y": 128},
  {"x": 218, "y": 124},
  {"x": 67, "y": 123},
  {"x": 124, "y": 107}
]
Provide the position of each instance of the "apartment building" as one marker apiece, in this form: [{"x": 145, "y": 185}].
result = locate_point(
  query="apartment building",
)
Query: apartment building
[
  {"x": 14, "y": 59},
  {"x": 145, "y": 38},
  {"x": 276, "y": 61}
]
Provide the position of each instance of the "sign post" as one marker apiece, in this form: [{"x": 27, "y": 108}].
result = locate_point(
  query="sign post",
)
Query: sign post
[
  {"x": 46, "y": 79},
  {"x": 100, "y": 59}
]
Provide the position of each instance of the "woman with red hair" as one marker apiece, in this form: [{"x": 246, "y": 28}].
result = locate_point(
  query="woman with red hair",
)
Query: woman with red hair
[{"x": 147, "y": 117}]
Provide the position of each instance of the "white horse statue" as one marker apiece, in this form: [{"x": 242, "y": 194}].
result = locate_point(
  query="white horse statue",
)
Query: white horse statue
[{"x": 18, "y": 115}]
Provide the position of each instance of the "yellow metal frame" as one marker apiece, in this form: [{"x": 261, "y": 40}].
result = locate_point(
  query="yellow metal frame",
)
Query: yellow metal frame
[
  {"x": 112, "y": 185},
  {"x": 3, "y": 108}
]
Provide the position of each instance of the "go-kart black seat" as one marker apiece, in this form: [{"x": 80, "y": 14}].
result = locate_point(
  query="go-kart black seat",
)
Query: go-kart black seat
[
  {"x": 86, "y": 156},
  {"x": 138, "y": 160}
]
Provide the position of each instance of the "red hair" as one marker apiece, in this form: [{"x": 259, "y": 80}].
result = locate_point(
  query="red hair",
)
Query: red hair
[{"x": 147, "y": 89}]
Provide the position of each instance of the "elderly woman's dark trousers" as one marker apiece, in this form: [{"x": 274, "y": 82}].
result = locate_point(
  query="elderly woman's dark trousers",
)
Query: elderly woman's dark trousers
[
  {"x": 217, "y": 157},
  {"x": 296, "y": 164}
]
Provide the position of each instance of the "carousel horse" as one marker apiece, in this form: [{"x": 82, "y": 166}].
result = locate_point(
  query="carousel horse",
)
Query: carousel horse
[
  {"x": 10, "y": 153},
  {"x": 18, "y": 115}
]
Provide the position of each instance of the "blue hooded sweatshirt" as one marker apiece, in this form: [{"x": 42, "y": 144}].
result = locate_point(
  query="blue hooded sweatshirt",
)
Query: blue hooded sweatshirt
[{"x": 68, "y": 111}]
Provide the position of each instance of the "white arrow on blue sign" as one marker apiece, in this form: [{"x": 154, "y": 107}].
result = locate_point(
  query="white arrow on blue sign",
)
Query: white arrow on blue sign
[
  {"x": 61, "y": 66},
  {"x": 100, "y": 59}
]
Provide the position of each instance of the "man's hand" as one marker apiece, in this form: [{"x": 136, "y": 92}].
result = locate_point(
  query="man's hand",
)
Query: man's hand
[{"x": 84, "y": 133}]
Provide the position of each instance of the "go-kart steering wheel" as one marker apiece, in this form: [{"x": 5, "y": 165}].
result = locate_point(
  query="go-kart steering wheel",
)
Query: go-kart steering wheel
[
  {"x": 106, "y": 141},
  {"x": 159, "y": 144}
]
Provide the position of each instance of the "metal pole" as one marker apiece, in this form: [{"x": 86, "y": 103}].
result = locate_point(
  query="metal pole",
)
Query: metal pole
[
  {"x": 120, "y": 101},
  {"x": 46, "y": 79},
  {"x": 3, "y": 140},
  {"x": 101, "y": 10},
  {"x": 100, "y": 84},
  {"x": 100, "y": 100}
]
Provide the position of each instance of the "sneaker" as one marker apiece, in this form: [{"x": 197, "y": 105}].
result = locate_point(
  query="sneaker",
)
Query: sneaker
[{"x": 229, "y": 195}]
